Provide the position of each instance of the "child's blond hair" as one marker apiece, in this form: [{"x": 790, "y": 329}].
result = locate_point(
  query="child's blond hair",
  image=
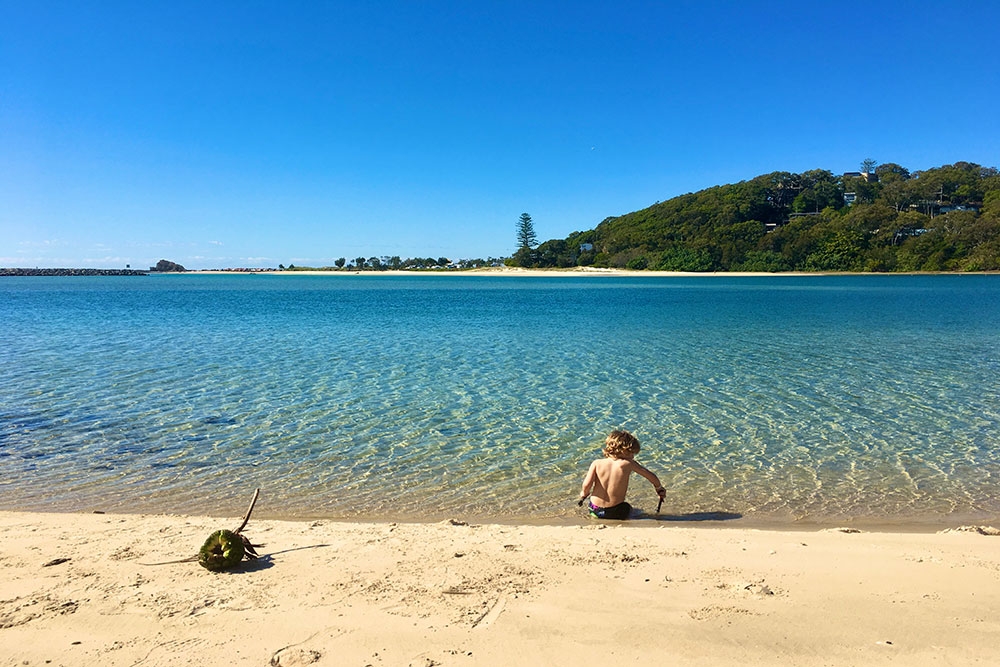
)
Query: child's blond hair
[{"x": 619, "y": 443}]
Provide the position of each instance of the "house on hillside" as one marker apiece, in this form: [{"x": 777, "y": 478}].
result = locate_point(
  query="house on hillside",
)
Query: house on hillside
[{"x": 869, "y": 177}]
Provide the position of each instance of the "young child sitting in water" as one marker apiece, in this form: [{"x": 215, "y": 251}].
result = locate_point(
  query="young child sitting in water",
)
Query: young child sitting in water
[{"x": 606, "y": 482}]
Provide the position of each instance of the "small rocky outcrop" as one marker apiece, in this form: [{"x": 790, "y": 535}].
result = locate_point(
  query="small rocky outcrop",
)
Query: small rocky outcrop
[{"x": 164, "y": 266}]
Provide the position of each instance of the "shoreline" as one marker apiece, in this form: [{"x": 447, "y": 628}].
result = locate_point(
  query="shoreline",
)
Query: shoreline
[
  {"x": 533, "y": 273},
  {"x": 578, "y": 271},
  {"x": 101, "y": 589},
  {"x": 572, "y": 518},
  {"x": 574, "y": 272},
  {"x": 493, "y": 271}
]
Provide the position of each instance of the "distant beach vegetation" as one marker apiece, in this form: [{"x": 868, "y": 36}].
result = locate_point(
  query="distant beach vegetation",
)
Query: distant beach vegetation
[{"x": 397, "y": 263}]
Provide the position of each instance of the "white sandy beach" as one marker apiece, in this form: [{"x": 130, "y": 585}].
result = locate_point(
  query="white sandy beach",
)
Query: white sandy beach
[
  {"x": 512, "y": 271},
  {"x": 453, "y": 594},
  {"x": 573, "y": 272}
]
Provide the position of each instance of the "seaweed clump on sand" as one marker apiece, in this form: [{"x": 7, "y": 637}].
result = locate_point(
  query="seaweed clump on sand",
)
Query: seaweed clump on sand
[{"x": 225, "y": 549}]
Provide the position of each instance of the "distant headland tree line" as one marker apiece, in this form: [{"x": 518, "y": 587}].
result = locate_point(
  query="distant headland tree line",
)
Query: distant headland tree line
[
  {"x": 396, "y": 263},
  {"x": 882, "y": 218}
]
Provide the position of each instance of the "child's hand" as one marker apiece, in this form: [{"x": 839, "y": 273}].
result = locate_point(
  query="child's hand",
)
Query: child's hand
[{"x": 661, "y": 492}]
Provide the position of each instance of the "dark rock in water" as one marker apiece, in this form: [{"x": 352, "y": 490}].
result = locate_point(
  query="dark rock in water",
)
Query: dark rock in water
[
  {"x": 216, "y": 419},
  {"x": 164, "y": 266},
  {"x": 222, "y": 550}
]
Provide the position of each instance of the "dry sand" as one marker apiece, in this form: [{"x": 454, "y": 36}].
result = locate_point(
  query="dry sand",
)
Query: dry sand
[{"x": 451, "y": 594}]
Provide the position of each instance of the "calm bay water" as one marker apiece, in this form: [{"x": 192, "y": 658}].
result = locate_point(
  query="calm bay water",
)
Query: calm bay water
[{"x": 811, "y": 399}]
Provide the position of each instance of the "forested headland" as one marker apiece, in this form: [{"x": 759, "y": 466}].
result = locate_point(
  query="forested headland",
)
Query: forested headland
[{"x": 883, "y": 218}]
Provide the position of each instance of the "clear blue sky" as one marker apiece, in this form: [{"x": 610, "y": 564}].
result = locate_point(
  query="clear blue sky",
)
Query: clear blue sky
[{"x": 220, "y": 134}]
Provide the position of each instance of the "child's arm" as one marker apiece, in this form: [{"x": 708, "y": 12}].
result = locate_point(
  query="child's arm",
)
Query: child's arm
[
  {"x": 653, "y": 479},
  {"x": 588, "y": 483}
]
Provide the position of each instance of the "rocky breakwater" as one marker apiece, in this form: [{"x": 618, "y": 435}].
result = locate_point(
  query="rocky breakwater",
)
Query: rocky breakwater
[{"x": 71, "y": 272}]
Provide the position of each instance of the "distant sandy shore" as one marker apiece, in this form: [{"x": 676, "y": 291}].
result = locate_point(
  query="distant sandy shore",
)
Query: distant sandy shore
[
  {"x": 575, "y": 272},
  {"x": 80, "y": 589},
  {"x": 508, "y": 271}
]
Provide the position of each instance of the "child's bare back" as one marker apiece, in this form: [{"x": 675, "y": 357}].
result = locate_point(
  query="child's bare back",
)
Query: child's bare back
[{"x": 606, "y": 482}]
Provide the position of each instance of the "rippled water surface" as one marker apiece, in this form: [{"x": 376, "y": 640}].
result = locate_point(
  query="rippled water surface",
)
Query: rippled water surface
[{"x": 809, "y": 399}]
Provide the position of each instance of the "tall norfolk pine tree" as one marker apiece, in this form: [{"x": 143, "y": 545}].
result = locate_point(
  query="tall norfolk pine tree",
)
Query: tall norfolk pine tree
[
  {"x": 526, "y": 242},
  {"x": 526, "y": 237}
]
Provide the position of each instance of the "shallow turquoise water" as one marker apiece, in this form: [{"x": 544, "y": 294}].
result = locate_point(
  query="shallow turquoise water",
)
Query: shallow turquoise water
[{"x": 808, "y": 399}]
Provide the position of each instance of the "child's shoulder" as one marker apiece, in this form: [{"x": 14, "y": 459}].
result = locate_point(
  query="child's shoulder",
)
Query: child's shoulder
[{"x": 612, "y": 462}]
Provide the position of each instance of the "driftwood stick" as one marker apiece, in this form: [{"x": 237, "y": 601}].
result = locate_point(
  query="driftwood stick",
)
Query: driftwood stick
[
  {"x": 171, "y": 562},
  {"x": 246, "y": 517}
]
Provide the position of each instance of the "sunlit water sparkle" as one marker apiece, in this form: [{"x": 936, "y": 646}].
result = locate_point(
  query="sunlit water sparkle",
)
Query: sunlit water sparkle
[{"x": 780, "y": 399}]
